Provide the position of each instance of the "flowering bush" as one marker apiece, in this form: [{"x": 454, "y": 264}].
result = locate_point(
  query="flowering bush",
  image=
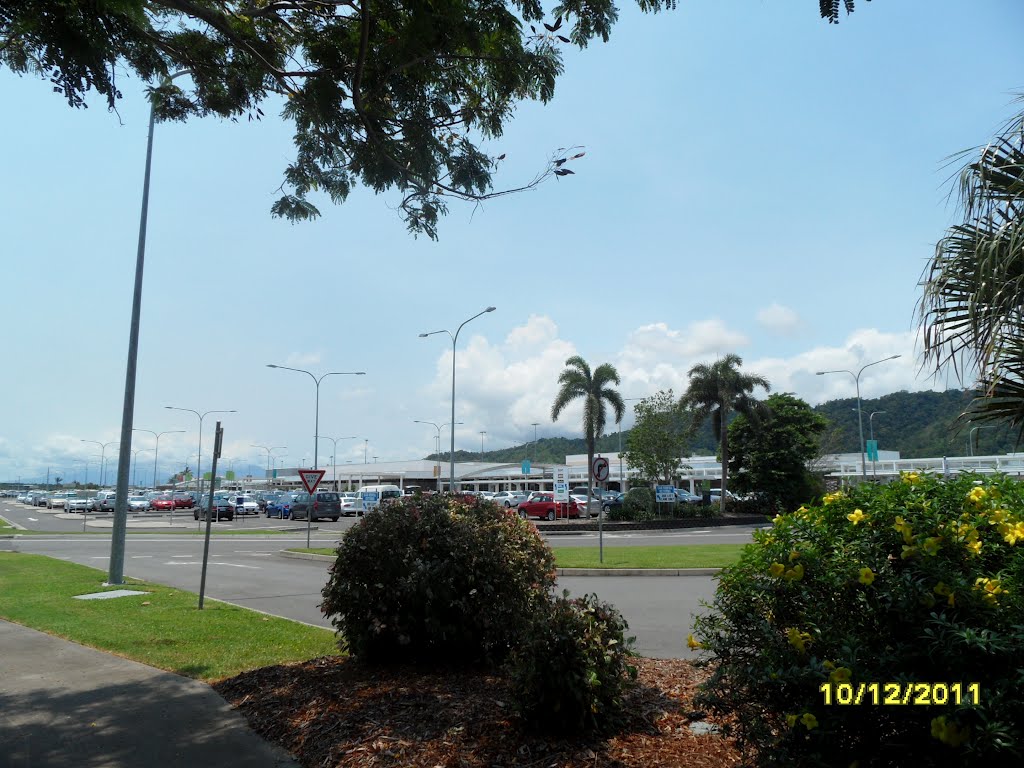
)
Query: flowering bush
[
  {"x": 571, "y": 671},
  {"x": 436, "y": 579},
  {"x": 921, "y": 580}
]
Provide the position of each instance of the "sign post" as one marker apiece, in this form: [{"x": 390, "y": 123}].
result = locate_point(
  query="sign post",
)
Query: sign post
[
  {"x": 310, "y": 480},
  {"x": 561, "y": 485},
  {"x": 599, "y": 470}
]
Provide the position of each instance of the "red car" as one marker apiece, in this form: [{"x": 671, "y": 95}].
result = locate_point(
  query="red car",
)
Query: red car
[
  {"x": 162, "y": 502},
  {"x": 183, "y": 500},
  {"x": 543, "y": 505}
]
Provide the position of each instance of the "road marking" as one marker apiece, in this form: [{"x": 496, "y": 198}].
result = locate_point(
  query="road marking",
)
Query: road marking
[
  {"x": 212, "y": 562},
  {"x": 106, "y": 557},
  {"x": 140, "y": 557},
  {"x": 181, "y": 555}
]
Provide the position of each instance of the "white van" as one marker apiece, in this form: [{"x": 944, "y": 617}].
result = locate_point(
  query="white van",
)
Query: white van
[
  {"x": 374, "y": 495},
  {"x": 104, "y": 500}
]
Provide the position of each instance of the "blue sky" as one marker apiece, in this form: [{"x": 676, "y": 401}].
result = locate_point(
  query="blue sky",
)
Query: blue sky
[{"x": 755, "y": 181}]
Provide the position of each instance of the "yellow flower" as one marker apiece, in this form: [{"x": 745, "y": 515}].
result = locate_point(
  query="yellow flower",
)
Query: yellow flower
[
  {"x": 830, "y": 497},
  {"x": 798, "y": 639},
  {"x": 991, "y": 588},
  {"x": 692, "y": 643},
  {"x": 911, "y": 478},
  {"x": 856, "y": 516},
  {"x": 778, "y": 519},
  {"x": 1013, "y": 533},
  {"x": 840, "y": 675},
  {"x": 793, "y": 555},
  {"x": 942, "y": 589},
  {"x": 867, "y": 576},
  {"x": 776, "y": 569},
  {"x": 949, "y": 732},
  {"x": 795, "y": 573},
  {"x": 977, "y": 495},
  {"x": 791, "y": 720},
  {"x": 931, "y": 545},
  {"x": 810, "y": 721},
  {"x": 908, "y": 552},
  {"x": 828, "y": 664},
  {"x": 902, "y": 526},
  {"x": 998, "y": 516},
  {"x": 974, "y": 547}
]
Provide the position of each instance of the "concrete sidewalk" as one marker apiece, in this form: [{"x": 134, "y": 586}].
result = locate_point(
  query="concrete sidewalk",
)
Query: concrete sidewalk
[{"x": 62, "y": 704}]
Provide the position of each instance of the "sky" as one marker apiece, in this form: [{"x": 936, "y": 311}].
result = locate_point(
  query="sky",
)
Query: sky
[{"x": 755, "y": 182}]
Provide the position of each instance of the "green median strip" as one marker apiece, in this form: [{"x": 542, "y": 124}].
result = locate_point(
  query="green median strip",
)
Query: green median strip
[
  {"x": 681, "y": 556},
  {"x": 163, "y": 628}
]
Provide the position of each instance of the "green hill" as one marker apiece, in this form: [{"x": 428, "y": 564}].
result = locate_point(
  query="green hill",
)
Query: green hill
[{"x": 917, "y": 424}]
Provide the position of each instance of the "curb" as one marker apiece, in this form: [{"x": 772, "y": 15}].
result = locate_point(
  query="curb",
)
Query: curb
[
  {"x": 651, "y": 525},
  {"x": 561, "y": 571}
]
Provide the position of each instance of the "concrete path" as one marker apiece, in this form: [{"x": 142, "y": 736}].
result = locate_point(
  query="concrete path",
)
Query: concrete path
[{"x": 64, "y": 705}]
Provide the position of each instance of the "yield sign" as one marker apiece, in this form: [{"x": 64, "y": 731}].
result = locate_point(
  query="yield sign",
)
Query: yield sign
[{"x": 311, "y": 478}]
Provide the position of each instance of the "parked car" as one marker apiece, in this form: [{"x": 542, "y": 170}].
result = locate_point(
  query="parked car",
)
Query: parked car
[
  {"x": 183, "y": 500},
  {"x": 352, "y": 504},
  {"x": 543, "y": 506},
  {"x": 104, "y": 501},
  {"x": 222, "y": 510},
  {"x": 612, "y": 501},
  {"x": 373, "y": 495},
  {"x": 322, "y": 504},
  {"x": 243, "y": 505},
  {"x": 281, "y": 506},
  {"x": 138, "y": 504},
  {"x": 686, "y": 497},
  {"x": 509, "y": 499},
  {"x": 76, "y": 503},
  {"x": 56, "y": 500},
  {"x": 163, "y": 503}
]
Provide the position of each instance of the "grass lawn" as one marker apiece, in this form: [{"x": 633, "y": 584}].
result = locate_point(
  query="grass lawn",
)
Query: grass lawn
[
  {"x": 681, "y": 556},
  {"x": 163, "y": 628}
]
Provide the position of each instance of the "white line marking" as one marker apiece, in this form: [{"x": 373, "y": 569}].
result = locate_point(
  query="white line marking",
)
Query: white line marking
[
  {"x": 107, "y": 557},
  {"x": 34, "y": 519},
  {"x": 140, "y": 557}
]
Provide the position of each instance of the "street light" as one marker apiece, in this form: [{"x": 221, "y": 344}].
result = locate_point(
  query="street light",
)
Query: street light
[
  {"x": 316, "y": 427},
  {"x": 156, "y": 452},
  {"x": 199, "y": 455},
  {"x": 860, "y": 420},
  {"x": 482, "y": 445},
  {"x": 270, "y": 450},
  {"x": 455, "y": 338},
  {"x": 438, "y": 428},
  {"x": 334, "y": 457},
  {"x": 135, "y": 466},
  {"x": 103, "y": 451},
  {"x": 871, "y": 431},
  {"x": 970, "y": 437}
]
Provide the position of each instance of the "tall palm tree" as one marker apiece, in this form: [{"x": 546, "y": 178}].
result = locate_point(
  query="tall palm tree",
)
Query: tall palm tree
[
  {"x": 972, "y": 310},
  {"x": 717, "y": 390},
  {"x": 595, "y": 390}
]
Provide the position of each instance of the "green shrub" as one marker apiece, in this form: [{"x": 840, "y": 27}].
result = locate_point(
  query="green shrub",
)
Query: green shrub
[
  {"x": 918, "y": 581},
  {"x": 571, "y": 671},
  {"x": 639, "y": 504},
  {"x": 437, "y": 579}
]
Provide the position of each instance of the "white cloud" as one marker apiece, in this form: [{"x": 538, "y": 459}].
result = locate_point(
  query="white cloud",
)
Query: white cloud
[{"x": 779, "y": 319}]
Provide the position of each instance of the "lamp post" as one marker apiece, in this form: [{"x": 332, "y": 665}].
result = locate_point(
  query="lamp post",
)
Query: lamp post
[
  {"x": 970, "y": 437},
  {"x": 871, "y": 433},
  {"x": 860, "y": 420},
  {"x": 455, "y": 338},
  {"x": 334, "y": 457},
  {"x": 438, "y": 427},
  {"x": 135, "y": 466},
  {"x": 316, "y": 423},
  {"x": 199, "y": 454},
  {"x": 103, "y": 452},
  {"x": 269, "y": 451},
  {"x": 156, "y": 451},
  {"x": 482, "y": 445}
]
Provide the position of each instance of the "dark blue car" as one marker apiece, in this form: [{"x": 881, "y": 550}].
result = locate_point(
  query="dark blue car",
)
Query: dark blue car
[{"x": 281, "y": 506}]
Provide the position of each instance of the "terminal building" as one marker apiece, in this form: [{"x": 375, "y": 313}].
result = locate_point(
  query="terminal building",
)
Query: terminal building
[{"x": 698, "y": 473}]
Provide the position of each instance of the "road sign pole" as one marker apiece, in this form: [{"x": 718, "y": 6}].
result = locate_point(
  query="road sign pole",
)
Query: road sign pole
[{"x": 310, "y": 480}]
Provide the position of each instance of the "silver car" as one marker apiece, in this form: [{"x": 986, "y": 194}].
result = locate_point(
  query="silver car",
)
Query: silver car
[{"x": 508, "y": 499}]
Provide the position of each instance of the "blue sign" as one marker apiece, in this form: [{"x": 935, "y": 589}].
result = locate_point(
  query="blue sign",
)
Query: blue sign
[
  {"x": 872, "y": 450},
  {"x": 664, "y": 493},
  {"x": 526, "y": 466},
  {"x": 370, "y": 496}
]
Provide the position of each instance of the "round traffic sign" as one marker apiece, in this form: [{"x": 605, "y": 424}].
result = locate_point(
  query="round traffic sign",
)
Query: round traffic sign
[{"x": 600, "y": 469}]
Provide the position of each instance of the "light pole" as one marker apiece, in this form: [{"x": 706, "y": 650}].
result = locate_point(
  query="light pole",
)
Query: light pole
[
  {"x": 269, "y": 451},
  {"x": 533, "y": 445},
  {"x": 199, "y": 455},
  {"x": 860, "y": 420},
  {"x": 455, "y": 338},
  {"x": 871, "y": 432},
  {"x": 156, "y": 451},
  {"x": 438, "y": 427},
  {"x": 103, "y": 452},
  {"x": 135, "y": 466},
  {"x": 482, "y": 445},
  {"x": 334, "y": 457},
  {"x": 316, "y": 423},
  {"x": 970, "y": 437}
]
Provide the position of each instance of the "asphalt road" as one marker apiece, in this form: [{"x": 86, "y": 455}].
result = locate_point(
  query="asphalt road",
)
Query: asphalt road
[{"x": 248, "y": 571}]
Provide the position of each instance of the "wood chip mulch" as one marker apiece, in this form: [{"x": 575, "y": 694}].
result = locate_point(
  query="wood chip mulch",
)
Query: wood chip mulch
[{"x": 334, "y": 711}]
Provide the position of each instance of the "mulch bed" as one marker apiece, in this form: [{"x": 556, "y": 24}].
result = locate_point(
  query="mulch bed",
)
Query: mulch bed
[{"x": 334, "y": 711}]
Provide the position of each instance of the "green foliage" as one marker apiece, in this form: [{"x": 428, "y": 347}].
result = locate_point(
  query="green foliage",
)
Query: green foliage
[
  {"x": 771, "y": 457},
  {"x": 394, "y": 96},
  {"x": 918, "y": 581},
  {"x": 639, "y": 504},
  {"x": 571, "y": 670},
  {"x": 659, "y": 437},
  {"x": 437, "y": 579}
]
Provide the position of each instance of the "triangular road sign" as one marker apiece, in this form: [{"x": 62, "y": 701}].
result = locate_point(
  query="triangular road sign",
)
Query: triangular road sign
[{"x": 311, "y": 478}]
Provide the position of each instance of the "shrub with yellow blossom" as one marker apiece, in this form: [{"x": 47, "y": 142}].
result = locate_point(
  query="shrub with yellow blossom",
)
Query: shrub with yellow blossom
[{"x": 919, "y": 580}]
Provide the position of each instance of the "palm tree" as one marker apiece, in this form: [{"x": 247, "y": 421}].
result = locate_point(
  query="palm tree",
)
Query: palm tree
[
  {"x": 717, "y": 390},
  {"x": 972, "y": 310},
  {"x": 595, "y": 390}
]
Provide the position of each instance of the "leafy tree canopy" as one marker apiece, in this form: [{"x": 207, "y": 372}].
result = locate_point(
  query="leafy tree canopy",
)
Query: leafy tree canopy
[
  {"x": 660, "y": 436},
  {"x": 772, "y": 457},
  {"x": 389, "y": 94}
]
